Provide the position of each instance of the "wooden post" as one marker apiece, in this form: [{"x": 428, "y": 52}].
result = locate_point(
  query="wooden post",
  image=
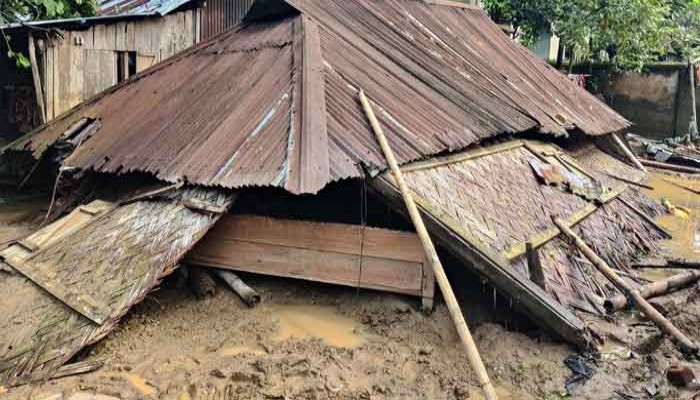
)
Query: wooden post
[
  {"x": 628, "y": 152},
  {"x": 684, "y": 344},
  {"x": 39, "y": 93},
  {"x": 431, "y": 255},
  {"x": 693, "y": 128},
  {"x": 654, "y": 289},
  {"x": 670, "y": 167},
  {"x": 534, "y": 265}
]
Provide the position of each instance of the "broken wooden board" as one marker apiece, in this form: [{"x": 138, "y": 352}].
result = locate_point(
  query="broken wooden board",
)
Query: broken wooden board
[
  {"x": 484, "y": 205},
  {"x": 349, "y": 255},
  {"x": 112, "y": 259}
]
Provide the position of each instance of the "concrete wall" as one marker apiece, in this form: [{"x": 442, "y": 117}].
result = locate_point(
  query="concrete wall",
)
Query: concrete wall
[{"x": 657, "y": 101}]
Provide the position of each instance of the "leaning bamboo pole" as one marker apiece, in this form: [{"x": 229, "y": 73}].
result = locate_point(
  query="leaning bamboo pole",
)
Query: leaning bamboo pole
[
  {"x": 654, "y": 289},
  {"x": 431, "y": 254},
  {"x": 684, "y": 344},
  {"x": 628, "y": 152}
]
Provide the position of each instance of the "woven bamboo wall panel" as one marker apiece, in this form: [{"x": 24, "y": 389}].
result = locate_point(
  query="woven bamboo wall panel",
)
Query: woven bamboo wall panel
[
  {"x": 496, "y": 197},
  {"x": 112, "y": 263}
]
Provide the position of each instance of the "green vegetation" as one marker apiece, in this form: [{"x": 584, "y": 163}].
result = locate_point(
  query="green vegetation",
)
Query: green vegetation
[
  {"x": 33, "y": 10},
  {"x": 625, "y": 33}
]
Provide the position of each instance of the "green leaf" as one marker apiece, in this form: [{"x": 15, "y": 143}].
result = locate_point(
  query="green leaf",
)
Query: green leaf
[{"x": 22, "y": 61}]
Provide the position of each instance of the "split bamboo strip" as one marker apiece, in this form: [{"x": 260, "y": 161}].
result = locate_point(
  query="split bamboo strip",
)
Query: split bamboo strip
[
  {"x": 431, "y": 254},
  {"x": 628, "y": 152},
  {"x": 654, "y": 289},
  {"x": 684, "y": 344}
]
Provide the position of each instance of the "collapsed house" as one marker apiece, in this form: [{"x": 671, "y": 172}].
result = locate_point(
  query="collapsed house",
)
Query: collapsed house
[{"x": 274, "y": 103}]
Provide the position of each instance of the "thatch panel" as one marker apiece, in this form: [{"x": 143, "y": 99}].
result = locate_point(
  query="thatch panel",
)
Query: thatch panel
[
  {"x": 497, "y": 197},
  {"x": 91, "y": 278}
]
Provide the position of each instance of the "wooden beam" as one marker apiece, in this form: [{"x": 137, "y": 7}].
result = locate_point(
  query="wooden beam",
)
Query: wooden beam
[
  {"x": 535, "y": 266},
  {"x": 544, "y": 237},
  {"x": 432, "y": 256},
  {"x": 670, "y": 167},
  {"x": 683, "y": 342},
  {"x": 463, "y": 156},
  {"x": 36, "y": 78}
]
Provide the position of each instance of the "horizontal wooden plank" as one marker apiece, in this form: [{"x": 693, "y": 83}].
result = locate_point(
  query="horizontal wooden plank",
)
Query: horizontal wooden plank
[
  {"x": 338, "y": 238},
  {"x": 323, "y": 266},
  {"x": 460, "y": 157},
  {"x": 541, "y": 238}
]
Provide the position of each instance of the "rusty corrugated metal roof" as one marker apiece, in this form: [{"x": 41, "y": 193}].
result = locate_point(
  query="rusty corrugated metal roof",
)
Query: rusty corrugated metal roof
[
  {"x": 139, "y": 7},
  {"x": 274, "y": 103}
]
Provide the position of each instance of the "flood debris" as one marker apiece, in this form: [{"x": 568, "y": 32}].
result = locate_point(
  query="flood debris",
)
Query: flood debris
[
  {"x": 302, "y": 98},
  {"x": 201, "y": 282},
  {"x": 245, "y": 292},
  {"x": 682, "y": 376}
]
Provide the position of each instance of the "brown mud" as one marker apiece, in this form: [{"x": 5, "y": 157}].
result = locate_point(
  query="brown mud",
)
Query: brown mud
[{"x": 315, "y": 341}]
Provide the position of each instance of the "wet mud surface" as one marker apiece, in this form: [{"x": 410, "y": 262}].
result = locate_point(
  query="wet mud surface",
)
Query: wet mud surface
[{"x": 315, "y": 341}]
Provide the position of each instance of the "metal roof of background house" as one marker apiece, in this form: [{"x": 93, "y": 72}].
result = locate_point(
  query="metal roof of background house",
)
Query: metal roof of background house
[
  {"x": 274, "y": 103},
  {"x": 139, "y": 7}
]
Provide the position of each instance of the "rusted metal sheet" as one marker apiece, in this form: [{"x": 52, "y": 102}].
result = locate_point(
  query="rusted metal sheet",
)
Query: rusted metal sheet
[
  {"x": 139, "y": 7},
  {"x": 75, "y": 285},
  {"x": 274, "y": 103},
  {"x": 220, "y": 15}
]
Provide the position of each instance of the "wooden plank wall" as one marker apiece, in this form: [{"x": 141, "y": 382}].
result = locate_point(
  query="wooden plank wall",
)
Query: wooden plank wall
[
  {"x": 341, "y": 254},
  {"x": 84, "y": 63}
]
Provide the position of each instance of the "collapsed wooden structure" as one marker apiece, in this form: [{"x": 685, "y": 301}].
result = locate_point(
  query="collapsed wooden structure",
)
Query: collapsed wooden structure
[{"x": 273, "y": 103}]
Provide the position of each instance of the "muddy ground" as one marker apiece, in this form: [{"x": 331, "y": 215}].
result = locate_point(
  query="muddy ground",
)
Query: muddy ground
[{"x": 314, "y": 341}]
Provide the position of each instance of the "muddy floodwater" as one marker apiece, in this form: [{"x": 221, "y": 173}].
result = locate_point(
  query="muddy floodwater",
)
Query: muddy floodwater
[{"x": 684, "y": 222}]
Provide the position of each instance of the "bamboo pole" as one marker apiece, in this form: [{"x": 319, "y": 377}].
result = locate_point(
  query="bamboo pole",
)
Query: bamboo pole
[
  {"x": 431, "y": 254},
  {"x": 684, "y": 344},
  {"x": 654, "y": 289},
  {"x": 628, "y": 152},
  {"x": 670, "y": 167},
  {"x": 245, "y": 292}
]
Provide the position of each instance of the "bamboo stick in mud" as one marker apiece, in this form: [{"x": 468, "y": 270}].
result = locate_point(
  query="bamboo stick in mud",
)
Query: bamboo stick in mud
[
  {"x": 682, "y": 341},
  {"x": 431, "y": 254}
]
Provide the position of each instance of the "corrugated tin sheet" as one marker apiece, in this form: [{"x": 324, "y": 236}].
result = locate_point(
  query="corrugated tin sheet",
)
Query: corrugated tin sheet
[
  {"x": 139, "y": 7},
  {"x": 220, "y": 15},
  {"x": 274, "y": 103}
]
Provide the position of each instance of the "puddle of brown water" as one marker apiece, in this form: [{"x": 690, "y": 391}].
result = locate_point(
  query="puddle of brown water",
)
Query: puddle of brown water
[
  {"x": 241, "y": 349},
  {"x": 140, "y": 384},
  {"x": 318, "y": 322},
  {"x": 614, "y": 348},
  {"x": 685, "y": 229}
]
